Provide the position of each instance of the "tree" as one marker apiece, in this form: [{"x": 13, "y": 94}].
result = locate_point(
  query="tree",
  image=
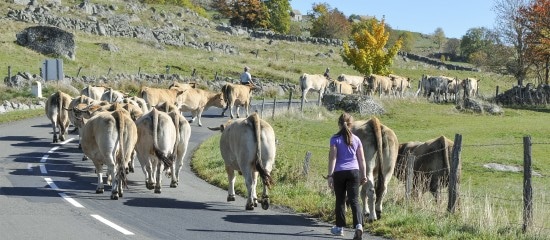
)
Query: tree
[
  {"x": 512, "y": 30},
  {"x": 407, "y": 41},
  {"x": 279, "y": 15},
  {"x": 475, "y": 40},
  {"x": 439, "y": 37},
  {"x": 537, "y": 21},
  {"x": 369, "y": 54},
  {"x": 328, "y": 23},
  {"x": 246, "y": 13},
  {"x": 453, "y": 47}
]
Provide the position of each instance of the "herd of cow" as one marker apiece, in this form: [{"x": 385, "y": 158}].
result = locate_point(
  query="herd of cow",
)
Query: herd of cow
[
  {"x": 441, "y": 88},
  {"x": 114, "y": 129}
]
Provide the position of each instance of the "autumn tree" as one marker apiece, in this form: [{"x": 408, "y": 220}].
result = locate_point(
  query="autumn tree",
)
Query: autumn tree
[
  {"x": 328, "y": 23},
  {"x": 279, "y": 15},
  {"x": 368, "y": 53},
  {"x": 246, "y": 13},
  {"x": 537, "y": 21}
]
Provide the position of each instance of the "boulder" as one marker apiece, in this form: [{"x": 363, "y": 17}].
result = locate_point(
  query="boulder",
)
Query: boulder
[
  {"x": 364, "y": 105},
  {"x": 48, "y": 40}
]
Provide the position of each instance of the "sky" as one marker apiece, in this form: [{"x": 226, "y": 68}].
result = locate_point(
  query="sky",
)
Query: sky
[{"x": 455, "y": 17}]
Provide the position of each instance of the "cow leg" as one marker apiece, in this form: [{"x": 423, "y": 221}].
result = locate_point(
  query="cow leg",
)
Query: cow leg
[
  {"x": 177, "y": 167},
  {"x": 238, "y": 110},
  {"x": 158, "y": 177},
  {"x": 246, "y": 107},
  {"x": 304, "y": 93},
  {"x": 199, "y": 114},
  {"x": 231, "y": 181},
  {"x": 194, "y": 116},
  {"x": 231, "y": 109},
  {"x": 54, "y": 127},
  {"x": 253, "y": 188},
  {"x": 370, "y": 196},
  {"x": 174, "y": 182},
  {"x": 250, "y": 186},
  {"x": 265, "y": 198}
]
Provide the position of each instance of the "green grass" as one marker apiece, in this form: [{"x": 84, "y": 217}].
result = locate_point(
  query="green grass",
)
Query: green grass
[{"x": 491, "y": 201}]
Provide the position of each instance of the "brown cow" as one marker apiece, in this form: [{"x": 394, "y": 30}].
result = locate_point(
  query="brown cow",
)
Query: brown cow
[
  {"x": 247, "y": 145},
  {"x": 154, "y": 96},
  {"x": 377, "y": 83},
  {"x": 236, "y": 95},
  {"x": 431, "y": 165},
  {"x": 380, "y": 148},
  {"x": 355, "y": 81},
  {"x": 196, "y": 101},
  {"x": 399, "y": 85},
  {"x": 340, "y": 87},
  {"x": 57, "y": 111}
]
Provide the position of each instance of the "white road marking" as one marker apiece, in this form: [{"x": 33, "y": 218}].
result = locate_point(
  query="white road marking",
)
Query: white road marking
[
  {"x": 63, "y": 195},
  {"x": 43, "y": 169},
  {"x": 45, "y": 157},
  {"x": 111, "y": 224},
  {"x": 29, "y": 167},
  {"x": 54, "y": 149}
]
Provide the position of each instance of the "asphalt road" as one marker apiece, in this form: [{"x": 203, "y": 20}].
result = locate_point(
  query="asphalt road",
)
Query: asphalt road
[{"x": 48, "y": 192}]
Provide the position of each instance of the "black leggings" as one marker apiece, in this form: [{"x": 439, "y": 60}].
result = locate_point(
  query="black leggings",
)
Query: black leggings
[{"x": 347, "y": 182}]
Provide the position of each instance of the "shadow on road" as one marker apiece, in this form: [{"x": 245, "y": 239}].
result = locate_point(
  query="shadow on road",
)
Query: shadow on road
[{"x": 298, "y": 235}]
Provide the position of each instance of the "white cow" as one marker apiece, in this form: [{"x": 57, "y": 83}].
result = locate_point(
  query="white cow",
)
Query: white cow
[
  {"x": 95, "y": 92},
  {"x": 156, "y": 146},
  {"x": 109, "y": 138},
  {"x": 316, "y": 82},
  {"x": 183, "y": 134},
  {"x": 111, "y": 95},
  {"x": 57, "y": 111},
  {"x": 470, "y": 86},
  {"x": 399, "y": 85},
  {"x": 355, "y": 81},
  {"x": 247, "y": 145}
]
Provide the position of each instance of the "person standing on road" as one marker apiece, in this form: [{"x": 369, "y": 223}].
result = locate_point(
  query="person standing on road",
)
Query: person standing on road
[
  {"x": 246, "y": 78},
  {"x": 346, "y": 173}
]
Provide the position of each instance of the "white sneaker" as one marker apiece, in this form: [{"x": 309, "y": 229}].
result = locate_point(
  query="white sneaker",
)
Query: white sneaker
[
  {"x": 337, "y": 231},
  {"x": 358, "y": 232}
]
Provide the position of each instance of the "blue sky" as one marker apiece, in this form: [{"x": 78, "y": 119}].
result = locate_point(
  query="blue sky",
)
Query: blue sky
[{"x": 455, "y": 17}]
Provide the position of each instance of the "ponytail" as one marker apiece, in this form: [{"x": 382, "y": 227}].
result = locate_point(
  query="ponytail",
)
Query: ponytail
[{"x": 344, "y": 121}]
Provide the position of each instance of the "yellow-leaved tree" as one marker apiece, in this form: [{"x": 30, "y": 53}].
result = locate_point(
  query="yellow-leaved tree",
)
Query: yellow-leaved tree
[{"x": 368, "y": 53}]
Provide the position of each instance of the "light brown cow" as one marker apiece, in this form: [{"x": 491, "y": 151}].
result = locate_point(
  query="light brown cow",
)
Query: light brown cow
[
  {"x": 380, "y": 148},
  {"x": 470, "y": 86},
  {"x": 355, "y": 81},
  {"x": 247, "y": 145},
  {"x": 236, "y": 95},
  {"x": 399, "y": 85},
  {"x": 83, "y": 101},
  {"x": 316, "y": 82},
  {"x": 183, "y": 134},
  {"x": 156, "y": 146},
  {"x": 57, "y": 111},
  {"x": 377, "y": 83},
  {"x": 340, "y": 87},
  {"x": 95, "y": 92},
  {"x": 182, "y": 86},
  {"x": 196, "y": 101},
  {"x": 109, "y": 138},
  {"x": 431, "y": 165},
  {"x": 154, "y": 96}
]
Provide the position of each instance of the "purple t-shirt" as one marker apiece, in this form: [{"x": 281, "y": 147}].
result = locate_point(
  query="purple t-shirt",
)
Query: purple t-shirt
[{"x": 345, "y": 155}]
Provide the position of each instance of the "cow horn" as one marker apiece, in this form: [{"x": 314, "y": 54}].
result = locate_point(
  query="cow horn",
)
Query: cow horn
[{"x": 215, "y": 128}]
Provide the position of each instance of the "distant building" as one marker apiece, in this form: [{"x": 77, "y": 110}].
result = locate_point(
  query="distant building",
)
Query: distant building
[{"x": 296, "y": 15}]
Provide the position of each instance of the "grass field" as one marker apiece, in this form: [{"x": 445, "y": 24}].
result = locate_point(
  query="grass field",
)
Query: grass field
[
  {"x": 491, "y": 201},
  {"x": 491, "y": 206}
]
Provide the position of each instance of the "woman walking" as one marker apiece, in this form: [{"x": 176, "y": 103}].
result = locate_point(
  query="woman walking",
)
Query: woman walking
[{"x": 346, "y": 173}]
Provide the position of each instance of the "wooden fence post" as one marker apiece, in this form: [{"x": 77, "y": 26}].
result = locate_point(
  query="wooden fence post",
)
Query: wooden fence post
[
  {"x": 274, "y": 106},
  {"x": 410, "y": 174},
  {"x": 263, "y": 104},
  {"x": 306, "y": 163},
  {"x": 109, "y": 72},
  {"x": 289, "y": 101},
  {"x": 527, "y": 188},
  {"x": 139, "y": 72},
  {"x": 496, "y": 94},
  {"x": 454, "y": 188},
  {"x": 78, "y": 73},
  {"x": 9, "y": 73}
]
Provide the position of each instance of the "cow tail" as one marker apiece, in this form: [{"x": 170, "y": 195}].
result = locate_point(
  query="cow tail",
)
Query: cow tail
[
  {"x": 121, "y": 155},
  {"x": 166, "y": 160},
  {"x": 226, "y": 97},
  {"x": 56, "y": 101},
  {"x": 89, "y": 91},
  {"x": 110, "y": 95},
  {"x": 377, "y": 129},
  {"x": 266, "y": 177}
]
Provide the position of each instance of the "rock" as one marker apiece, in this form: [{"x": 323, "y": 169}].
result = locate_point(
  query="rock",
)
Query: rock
[
  {"x": 48, "y": 40},
  {"x": 364, "y": 105}
]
